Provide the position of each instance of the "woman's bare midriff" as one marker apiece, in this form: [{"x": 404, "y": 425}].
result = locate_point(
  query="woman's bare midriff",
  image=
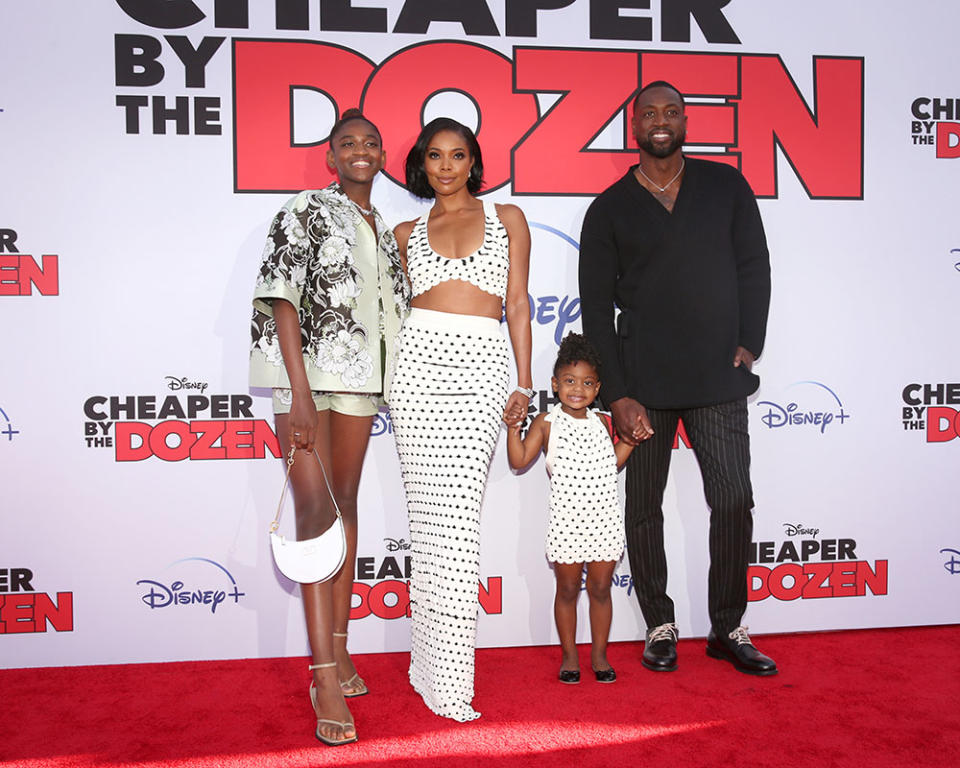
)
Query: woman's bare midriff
[{"x": 459, "y": 297}]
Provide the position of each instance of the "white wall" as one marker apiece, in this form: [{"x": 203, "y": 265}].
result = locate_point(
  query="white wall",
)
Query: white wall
[{"x": 156, "y": 246}]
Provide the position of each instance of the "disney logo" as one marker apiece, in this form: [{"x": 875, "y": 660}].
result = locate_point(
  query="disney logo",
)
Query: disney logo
[
  {"x": 545, "y": 310},
  {"x": 161, "y": 596},
  {"x": 778, "y": 416},
  {"x": 395, "y": 545},
  {"x": 798, "y": 530},
  {"x": 622, "y": 580},
  {"x": 382, "y": 425},
  {"x": 184, "y": 383},
  {"x": 952, "y": 564}
]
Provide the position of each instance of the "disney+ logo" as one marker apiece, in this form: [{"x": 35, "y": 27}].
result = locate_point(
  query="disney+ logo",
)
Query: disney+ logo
[
  {"x": 177, "y": 592},
  {"x": 382, "y": 424},
  {"x": 817, "y": 414},
  {"x": 558, "y": 311},
  {"x": 952, "y": 564},
  {"x": 8, "y": 429}
]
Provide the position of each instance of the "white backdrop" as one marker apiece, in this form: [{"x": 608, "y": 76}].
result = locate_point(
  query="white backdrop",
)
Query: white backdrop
[{"x": 128, "y": 253}]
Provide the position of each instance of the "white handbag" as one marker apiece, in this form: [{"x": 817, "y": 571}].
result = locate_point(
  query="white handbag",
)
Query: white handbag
[{"x": 311, "y": 560}]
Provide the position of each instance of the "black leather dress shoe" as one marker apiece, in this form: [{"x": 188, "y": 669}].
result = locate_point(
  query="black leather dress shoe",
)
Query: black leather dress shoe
[
  {"x": 660, "y": 650},
  {"x": 605, "y": 675},
  {"x": 569, "y": 676},
  {"x": 741, "y": 652}
]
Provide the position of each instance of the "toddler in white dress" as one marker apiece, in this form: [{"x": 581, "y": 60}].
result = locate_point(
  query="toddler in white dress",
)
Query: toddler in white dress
[{"x": 586, "y": 521}]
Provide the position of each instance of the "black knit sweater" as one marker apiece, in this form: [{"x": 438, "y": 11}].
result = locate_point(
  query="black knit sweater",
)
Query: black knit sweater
[{"x": 692, "y": 286}]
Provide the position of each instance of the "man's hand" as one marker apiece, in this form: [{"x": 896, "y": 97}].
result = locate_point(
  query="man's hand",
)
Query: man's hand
[
  {"x": 631, "y": 420},
  {"x": 745, "y": 357}
]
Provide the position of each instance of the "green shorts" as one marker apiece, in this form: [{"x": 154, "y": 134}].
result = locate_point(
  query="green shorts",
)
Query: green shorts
[{"x": 347, "y": 403}]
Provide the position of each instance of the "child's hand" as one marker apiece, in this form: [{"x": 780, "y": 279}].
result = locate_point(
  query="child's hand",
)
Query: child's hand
[
  {"x": 516, "y": 409},
  {"x": 521, "y": 450},
  {"x": 513, "y": 426}
]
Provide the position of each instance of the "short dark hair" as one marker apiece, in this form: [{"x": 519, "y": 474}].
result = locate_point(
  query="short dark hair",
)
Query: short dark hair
[
  {"x": 657, "y": 84},
  {"x": 576, "y": 349},
  {"x": 417, "y": 178},
  {"x": 352, "y": 114}
]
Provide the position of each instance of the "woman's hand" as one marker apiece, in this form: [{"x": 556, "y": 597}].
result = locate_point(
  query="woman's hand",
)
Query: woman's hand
[
  {"x": 517, "y": 307},
  {"x": 303, "y": 413},
  {"x": 516, "y": 411},
  {"x": 303, "y": 422}
]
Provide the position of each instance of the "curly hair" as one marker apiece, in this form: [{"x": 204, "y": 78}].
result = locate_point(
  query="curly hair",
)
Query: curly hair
[
  {"x": 351, "y": 114},
  {"x": 575, "y": 348},
  {"x": 416, "y": 176}
]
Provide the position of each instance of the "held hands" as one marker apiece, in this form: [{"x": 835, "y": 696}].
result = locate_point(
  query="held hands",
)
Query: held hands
[
  {"x": 303, "y": 423},
  {"x": 631, "y": 420},
  {"x": 745, "y": 357},
  {"x": 515, "y": 412}
]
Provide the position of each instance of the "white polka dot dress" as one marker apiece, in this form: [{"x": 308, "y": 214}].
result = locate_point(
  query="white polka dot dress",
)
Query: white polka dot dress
[
  {"x": 586, "y": 522},
  {"x": 446, "y": 404}
]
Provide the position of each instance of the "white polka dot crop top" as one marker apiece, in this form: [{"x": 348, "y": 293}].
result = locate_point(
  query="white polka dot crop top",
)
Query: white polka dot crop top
[{"x": 486, "y": 268}]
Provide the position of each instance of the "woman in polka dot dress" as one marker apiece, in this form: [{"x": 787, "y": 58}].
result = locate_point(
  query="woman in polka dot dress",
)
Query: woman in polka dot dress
[
  {"x": 586, "y": 521},
  {"x": 467, "y": 261}
]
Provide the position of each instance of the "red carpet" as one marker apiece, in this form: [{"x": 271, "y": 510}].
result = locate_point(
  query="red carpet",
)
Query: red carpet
[{"x": 841, "y": 699}]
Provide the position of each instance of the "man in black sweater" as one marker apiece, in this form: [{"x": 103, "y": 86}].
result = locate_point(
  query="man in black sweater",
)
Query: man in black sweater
[{"x": 677, "y": 245}]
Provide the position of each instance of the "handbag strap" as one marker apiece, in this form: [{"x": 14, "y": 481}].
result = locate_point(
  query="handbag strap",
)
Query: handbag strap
[{"x": 286, "y": 484}]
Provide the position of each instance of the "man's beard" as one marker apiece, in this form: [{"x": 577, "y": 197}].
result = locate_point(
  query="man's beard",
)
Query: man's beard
[{"x": 663, "y": 150}]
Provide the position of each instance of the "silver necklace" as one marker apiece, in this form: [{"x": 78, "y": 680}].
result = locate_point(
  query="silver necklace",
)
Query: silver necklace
[
  {"x": 664, "y": 187},
  {"x": 355, "y": 204},
  {"x": 363, "y": 211}
]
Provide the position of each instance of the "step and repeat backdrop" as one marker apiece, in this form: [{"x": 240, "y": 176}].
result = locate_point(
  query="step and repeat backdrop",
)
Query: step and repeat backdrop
[{"x": 146, "y": 144}]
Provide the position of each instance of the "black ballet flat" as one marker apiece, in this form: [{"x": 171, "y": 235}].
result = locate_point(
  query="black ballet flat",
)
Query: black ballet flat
[
  {"x": 569, "y": 676},
  {"x": 605, "y": 675}
]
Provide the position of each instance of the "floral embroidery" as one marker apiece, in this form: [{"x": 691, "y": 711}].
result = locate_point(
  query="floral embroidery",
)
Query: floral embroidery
[
  {"x": 401, "y": 286},
  {"x": 344, "y": 293},
  {"x": 268, "y": 344},
  {"x": 309, "y": 255},
  {"x": 345, "y": 355},
  {"x": 295, "y": 233},
  {"x": 333, "y": 252}
]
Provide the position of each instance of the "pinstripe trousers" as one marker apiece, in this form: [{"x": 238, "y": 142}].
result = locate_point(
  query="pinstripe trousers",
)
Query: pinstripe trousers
[{"x": 720, "y": 440}]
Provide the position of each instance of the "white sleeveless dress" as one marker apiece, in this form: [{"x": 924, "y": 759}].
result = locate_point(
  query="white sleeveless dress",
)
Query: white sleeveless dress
[{"x": 586, "y": 521}]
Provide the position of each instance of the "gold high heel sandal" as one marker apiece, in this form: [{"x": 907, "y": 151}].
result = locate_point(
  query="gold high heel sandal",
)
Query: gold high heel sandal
[
  {"x": 343, "y": 726},
  {"x": 355, "y": 686}
]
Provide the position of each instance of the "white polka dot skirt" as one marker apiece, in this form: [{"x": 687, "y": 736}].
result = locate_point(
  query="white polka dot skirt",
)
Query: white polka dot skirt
[
  {"x": 586, "y": 521},
  {"x": 446, "y": 405}
]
